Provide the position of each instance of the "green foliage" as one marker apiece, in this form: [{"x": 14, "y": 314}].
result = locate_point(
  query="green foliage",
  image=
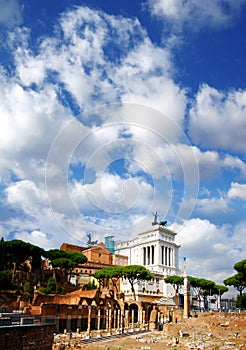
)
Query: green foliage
[
  {"x": 51, "y": 287},
  {"x": 91, "y": 285},
  {"x": 63, "y": 263},
  {"x": 175, "y": 281},
  {"x": 134, "y": 274},
  {"x": 5, "y": 279},
  {"x": 241, "y": 301},
  {"x": 112, "y": 272},
  {"x": 63, "y": 260},
  {"x": 201, "y": 286},
  {"x": 240, "y": 266},
  {"x": 219, "y": 290},
  {"x": 77, "y": 258},
  {"x": 28, "y": 288},
  {"x": 14, "y": 253},
  {"x": 62, "y": 291},
  {"x": 238, "y": 281}
]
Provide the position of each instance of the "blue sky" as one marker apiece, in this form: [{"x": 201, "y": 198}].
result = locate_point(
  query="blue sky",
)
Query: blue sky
[{"x": 113, "y": 110}]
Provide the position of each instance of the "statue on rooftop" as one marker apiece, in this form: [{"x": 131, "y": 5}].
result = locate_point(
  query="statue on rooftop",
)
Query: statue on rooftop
[
  {"x": 90, "y": 242},
  {"x": 155, "y": 222}
]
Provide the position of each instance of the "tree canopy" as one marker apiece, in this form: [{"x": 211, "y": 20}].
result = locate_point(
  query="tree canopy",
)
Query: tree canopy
[
  {"x": 238, "y": 281},
  {"x": 114, "y": 273},
  {"x": 175, "y": 281},
  {"x": 134, "y": 274},
  {"x": 17, "y": 251},
  {"x": 64, "y": 260}
]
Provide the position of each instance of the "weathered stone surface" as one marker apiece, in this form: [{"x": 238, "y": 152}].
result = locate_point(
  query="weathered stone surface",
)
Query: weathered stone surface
[
  {"x": 27, "y": 337},
  {"x": 203, "y": 332}
]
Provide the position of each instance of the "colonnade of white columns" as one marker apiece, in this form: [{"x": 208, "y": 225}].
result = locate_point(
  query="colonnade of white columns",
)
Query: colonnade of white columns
[
  {"x": 151, "y": 257},
  {"x": 167, "y": 256}
]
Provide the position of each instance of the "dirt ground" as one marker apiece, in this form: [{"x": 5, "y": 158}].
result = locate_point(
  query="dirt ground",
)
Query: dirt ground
[{"x": 207, "y": 331}]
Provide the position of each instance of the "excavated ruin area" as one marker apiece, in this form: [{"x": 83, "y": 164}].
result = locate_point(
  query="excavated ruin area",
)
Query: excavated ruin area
[{"x": 215, "y": 331}]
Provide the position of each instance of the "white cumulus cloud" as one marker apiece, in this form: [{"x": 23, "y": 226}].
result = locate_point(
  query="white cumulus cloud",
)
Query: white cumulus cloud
[{"x": 217, "y": 119}]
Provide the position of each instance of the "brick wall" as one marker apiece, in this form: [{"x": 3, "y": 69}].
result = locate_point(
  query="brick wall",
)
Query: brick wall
[{"x": 28, "y": 337}]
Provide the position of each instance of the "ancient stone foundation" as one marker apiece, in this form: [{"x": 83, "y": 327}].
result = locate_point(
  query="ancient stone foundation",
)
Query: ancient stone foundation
[{"x": 27, "y": 337}]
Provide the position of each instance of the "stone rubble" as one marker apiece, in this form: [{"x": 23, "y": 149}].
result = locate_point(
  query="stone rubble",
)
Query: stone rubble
[{"x": 209, "y": 331}]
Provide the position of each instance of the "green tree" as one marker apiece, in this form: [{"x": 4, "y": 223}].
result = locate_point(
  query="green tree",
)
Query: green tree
[
  {"x": 114, "y": 273},
  {"x": 15, "y": 252},
  {"x": 51, "y": 287},
  {"x": 238, "y": 281},
  {"x": 101, "y": 275},
  {"x": 134, "y": 274},
  {"x": 241, "y": 301},
  {"x": 202, "y": 288},
  {"x": 175, "y": 281},
  {"x": 5, "y": 279},
  {"x": 28, "y": 288},
  {"x": 65, "y": 261},
  {"x": 240, "y": 266}
]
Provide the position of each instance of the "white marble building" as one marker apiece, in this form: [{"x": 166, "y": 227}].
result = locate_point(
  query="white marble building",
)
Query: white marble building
[{"x": 154, "y": 248}]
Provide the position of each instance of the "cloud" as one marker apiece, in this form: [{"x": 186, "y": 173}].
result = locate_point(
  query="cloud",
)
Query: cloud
[
  {"x": 113, "y": 194},
  {"x": 196, "y": 14},
  {"x": 26, "y": 196},
  {"x": 97, "y": 91},
  {"x": 37, "y": 238},
  {"x": 11, "y": 14},
  {"x": 210, "y": 206},
  {"x": 217, "y": 119},
  {"x": 237, "y": 191},
  {"x": 205, "y": 245}
]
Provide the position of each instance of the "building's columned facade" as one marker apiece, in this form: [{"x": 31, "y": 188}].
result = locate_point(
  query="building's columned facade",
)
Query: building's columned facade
[{"x": 155, "y": 249}]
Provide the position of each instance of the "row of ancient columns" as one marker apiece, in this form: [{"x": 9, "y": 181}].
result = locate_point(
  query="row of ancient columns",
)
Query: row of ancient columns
[
  {"x": 120, "y": 320},
  {"x": 114, "y": 319}
]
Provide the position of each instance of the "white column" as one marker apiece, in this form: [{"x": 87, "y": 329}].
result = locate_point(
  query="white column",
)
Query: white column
[
  {"x": 132, "y": 319},
  {"x": 144, "y": 256},
  {"x": 165, "y": 255}
]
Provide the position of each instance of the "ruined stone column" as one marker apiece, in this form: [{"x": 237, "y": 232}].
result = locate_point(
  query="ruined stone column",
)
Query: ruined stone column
[
  {"x": 133, "y": 320},
  {"x": 186, "y": 293},
  {"x": 79, "y": 317},
  {"x": 115, "y": 318},
  {"x": 57, "y": 322},
  {"x": 89, "y": 320},
  {"x": 118, "y": 320},
  {"x": 122, "y": 321},
  {"x": 126, "y": 319},
  {"x": 109, "y": 321},
  {"x": 140, "y": 316},
  {"x": 98, "y": 319},
  {"x": 143, "y": 319},
  {"x": 69, "y": 316}
]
